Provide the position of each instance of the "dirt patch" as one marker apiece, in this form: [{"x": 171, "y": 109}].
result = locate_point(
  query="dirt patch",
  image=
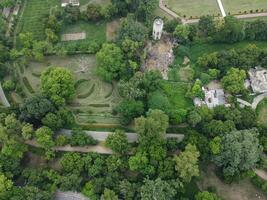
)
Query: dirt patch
[
  {"x": 159, "y": 56},
  {"x": 243, "y": 190},
  {"x": 73, "y": 36},
  {"x": 112, "y": 27},
  {"x": 186, "y": 73}
]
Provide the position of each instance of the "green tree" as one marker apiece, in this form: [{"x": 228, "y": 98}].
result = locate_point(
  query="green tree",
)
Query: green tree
[
  {"x": 196, "y": 90},
  {"x": 240, "y": 151},
  {"x": 72, "y": 163},
  {"x": 215, "y": 145},
  {"x": 205, "y": 195},
  {"x": 129, "y": 109},
  {"x": 145, "y": 9},
  {"x": 187, "y": 163},
  {"x": 5, "y": 186},
  {"x": 27, "y": 131},
  {"x": 118, "y": 142},
  {"x": 109, "y": 195},
  {"x": 194, "y": 118},
  {"x": 157, "y": 100},
  {"x": 110, "y": 62},
  {"x": 181, "y": 32},
  {"x": 157, "y": 190},
  {"x": 93, "y": 12},
  {"x": 52, "y": 121},
  {"x": 234, "y": 80},
  {"x": 58, "y": 84},
  {"x": 80, "y": 138},
  {"x": 206, "y": 25}
]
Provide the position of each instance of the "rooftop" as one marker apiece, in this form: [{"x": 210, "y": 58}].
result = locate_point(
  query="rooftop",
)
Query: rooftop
[{"x": 258, "y": 79}]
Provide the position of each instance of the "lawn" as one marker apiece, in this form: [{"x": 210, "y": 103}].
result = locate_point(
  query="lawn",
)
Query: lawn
[
  {"x": 193, "y": 8},
  {"x": 240, "y": 6},
  {"x": 32, "y": 19},
  {"x": 262, "y": 113},
  {"x": 198, "y": 49},
  {"x": 176, "y": 92},
  {"x": 94, "y": 31},
  {"x": 243, "y": 190},
  {"x": 94, "y": 99}
]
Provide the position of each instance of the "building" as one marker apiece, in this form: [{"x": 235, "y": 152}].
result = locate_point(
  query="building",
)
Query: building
[
  {"x": 157, "y": 29},
  {"x": 258, "y": 79},
  {"x": 64, "y": 3}
]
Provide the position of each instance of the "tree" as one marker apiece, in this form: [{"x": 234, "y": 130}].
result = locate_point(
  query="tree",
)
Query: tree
[
  {"x": 129, "y": 109},
  {"x": 72, "y": 163},
  {"x": 240, "y": 151},
  {"x": 231, "y": 31},
  {"x": 157, "y": 100},
  {"x": 193, "y": 118},
  {"x": 35, "y": 108},
  {"x": 157, "y": 189},
  {"x": 57, "y": 83},
  {"x": 145, "y": 9},
  {"x": 70, "y": 182},
  {"x": 80, "y": 138},
  {"x": 205, "y": 195},
  {"x": 109, "y": 195},
  {"x": 118, "y": 142},
  {"x": 234, "y": 81},
  {"x": 27, "y": 131},
  {"x": 52, "y": 121},
  {"x": 196, "y": 90},
  {"x": 181, "y": 32},
  {"x": 215, "y": 145},
  {"x": 187, "y": 163},
  {"x": 93, "y": 12},
  {"x": 5, "y": 186},
  {"x": 206, "y": 25},
  {"x": 110, "y": 62}
]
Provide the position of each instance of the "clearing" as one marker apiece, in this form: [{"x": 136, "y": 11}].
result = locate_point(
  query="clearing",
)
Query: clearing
[
  {"x": 244, "y": 190},
  {"x": 95, "y": 99},
  {"x": 244, "y": 6},
  {"x": 194, "y": 9},
  {"x": 262, "y": 113}
]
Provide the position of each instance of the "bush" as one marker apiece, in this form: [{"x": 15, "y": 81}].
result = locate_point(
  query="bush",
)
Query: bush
[
  {"x": 61, "y": 140},
  {"x": 83, "y": 96},
  {"x": 9, "y": 85},
  {"x": 80, "y": 138},
  {"x": 259, "y": 182}
]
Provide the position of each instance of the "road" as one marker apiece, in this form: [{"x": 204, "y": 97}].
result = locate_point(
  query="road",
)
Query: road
[
  {"x": 221, "y": 8},
  {"x": 3, "y": 98},
  {"x": 132, "y": 137}
]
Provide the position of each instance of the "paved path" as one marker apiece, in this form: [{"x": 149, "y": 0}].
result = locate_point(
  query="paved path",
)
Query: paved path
[
  {"x": 169, "y": 12},
  {"x": 257, "y": 100},
  {"x": 252, "y": 15},
  {"x": 221, "y": 8},
  {"x": 3, "y": 98},
  {"x": 69, "y": 196},
  {"x": 96, "y": 148},
  {"x": 261, "y": 173},
  {"x": 132, "y": 137},
  {"x": 243, "y": 102}
]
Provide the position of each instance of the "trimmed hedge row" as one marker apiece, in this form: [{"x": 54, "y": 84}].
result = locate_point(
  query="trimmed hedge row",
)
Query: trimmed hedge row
[
  {"x": 38, "y": 75},
  {"x": 99, "y": 105},
  {"x": 83, "y": 96},
  {"x": 77, "y": 83},
  {"x": 111, "y": 91},
  {"x": 27, "y": 84}
]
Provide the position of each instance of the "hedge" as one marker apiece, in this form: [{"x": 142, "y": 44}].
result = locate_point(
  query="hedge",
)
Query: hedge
[
  {"x": 99, "y": 105},
  {"x": 36, "y": 74},
  {"x": 259, "y": 182},
  {"x": 79, "y": 82},
  {"x": 27, "y": 84},
  {"x": 83, "y": 96},
  {"x": 111, "y": 91}
]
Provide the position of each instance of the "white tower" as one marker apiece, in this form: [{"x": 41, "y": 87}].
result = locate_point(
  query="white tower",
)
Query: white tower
[{"x": 157, "y": 28}]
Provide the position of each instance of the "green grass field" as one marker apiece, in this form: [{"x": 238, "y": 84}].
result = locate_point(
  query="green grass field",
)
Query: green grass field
[
  {"x": 262, "y": 113},
  {"x": 95, "y": 99},
  {"x": 193, "y": 8},
  {"x": 240, "y": 6},
  {"x": 32, "y": 19},
  {"x": 94, "y": 31}
]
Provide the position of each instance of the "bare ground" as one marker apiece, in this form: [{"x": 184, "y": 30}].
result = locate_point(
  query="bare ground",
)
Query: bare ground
[{"x": 111, "y": 29}]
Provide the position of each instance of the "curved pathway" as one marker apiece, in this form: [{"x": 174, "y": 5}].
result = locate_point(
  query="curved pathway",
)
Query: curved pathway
[
  {"x": 3, "y": 98},
  {"x": 257, "y": 100},
  {"x": 261, "y": 173}
]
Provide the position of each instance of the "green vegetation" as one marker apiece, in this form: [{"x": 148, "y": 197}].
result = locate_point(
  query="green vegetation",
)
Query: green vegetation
[
  {"x": 244, "y": 6},
  {"x": 194, "y": 9},
  {"x": 33, "y": 16},
  {"x": 262, "y": 113}
]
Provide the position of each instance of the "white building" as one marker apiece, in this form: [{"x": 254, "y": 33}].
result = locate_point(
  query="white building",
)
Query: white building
[
  {"x": 258, "y": 79},
  {"x": 64, "y": 3},
  {"x": 157, "y": 29}
]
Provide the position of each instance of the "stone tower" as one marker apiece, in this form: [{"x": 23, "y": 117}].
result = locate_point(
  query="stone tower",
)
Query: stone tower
[{"x": 157, "y": 28}]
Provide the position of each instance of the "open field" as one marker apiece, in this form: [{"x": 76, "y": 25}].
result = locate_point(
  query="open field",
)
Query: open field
[
  {"x": 244, "y": 190},
  {"x": 240, "y": 6},
  {"x": 94, "y": 31},
  {"x": 84, "y": 3},
  {"x": 193, "y": 8},
  {"x": 262, "y": 113},
  {"x": 94, "y": 100},
  {"x": 33, "y": 16}
]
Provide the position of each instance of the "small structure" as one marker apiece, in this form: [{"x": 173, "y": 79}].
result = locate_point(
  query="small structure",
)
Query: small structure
[
  {"x": 214, "y": 96},
  {"x": 73, "y": 36},
  {"x": 64, "y": 3},
  {"x": 258, "y": 79},
  {"x": 157, "y": 29}
]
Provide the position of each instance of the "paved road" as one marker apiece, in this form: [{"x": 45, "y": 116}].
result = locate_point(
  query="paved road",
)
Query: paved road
[
  {"x": 221, "y": 8},
  {"x": 257, "y": 100},
  {"x": 3, "y": 98},
  {"x": 243, "y": 102},
  {"x": 132, "y": 137}
]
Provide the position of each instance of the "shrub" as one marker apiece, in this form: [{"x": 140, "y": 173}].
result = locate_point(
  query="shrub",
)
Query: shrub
[
  {"x": 80, "y": 138},
  {"x": 83, "y": 96},
  {"x": 9, "y": 85},
  {"x": 27, "y": 84}
]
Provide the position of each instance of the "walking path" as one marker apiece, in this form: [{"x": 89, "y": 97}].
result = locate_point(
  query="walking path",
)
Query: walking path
[
  {"x": 3, "y": 98},
  {"x": 255, "y": 102},
  {"x": 252, "y": 15},
  {"x": 221, "y": 8},
  {"x": 243, "y": 102},
  {"x": 168, "y": 11},
  {"x": 132, "y": 137},
  {"x": 69, "y": 196},
  {"x": 261, "y": 173}
]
